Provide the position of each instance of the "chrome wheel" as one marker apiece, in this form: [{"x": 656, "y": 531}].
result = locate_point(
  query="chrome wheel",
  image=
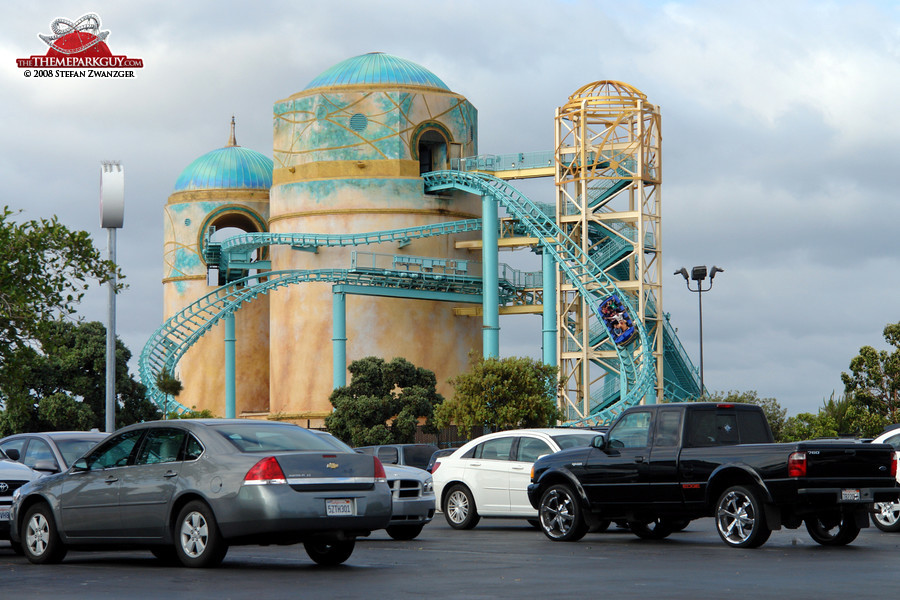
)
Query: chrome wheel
[
  {"x": 37, "y": 534},
  {"x": 740, "y": 520},
  {"x": 887, "y": 516},
  {"x": 194, "y": 534},
  {"x": 561, "y": 515},
  {"x": 459, "y": 508}
]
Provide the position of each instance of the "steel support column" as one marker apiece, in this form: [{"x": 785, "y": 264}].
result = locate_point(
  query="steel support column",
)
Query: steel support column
[
  {"x": 339, "y": 339},
  {"x": 490, "y": 260},
  {"x": 549, "y": 285},
  {"x": 230, "y": 377}
]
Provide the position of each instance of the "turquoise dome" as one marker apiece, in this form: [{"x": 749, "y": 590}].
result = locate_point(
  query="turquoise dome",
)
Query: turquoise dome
[
  {"x": 231, "y": 167},
  {"x": 377, "y": 68}
]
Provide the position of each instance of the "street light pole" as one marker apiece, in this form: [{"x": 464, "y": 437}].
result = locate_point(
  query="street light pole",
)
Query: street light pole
[
  {"x": 698, "y": 274},
  {"x": 112, "y": 213}
]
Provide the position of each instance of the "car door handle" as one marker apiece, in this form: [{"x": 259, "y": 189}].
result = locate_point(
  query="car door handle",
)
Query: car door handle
[
  {"x": 170, "y": 474},
  {"x": 111, "y": 479},
  {"x": 638, "y": 459},
  {"x": 518, "y": 468}
]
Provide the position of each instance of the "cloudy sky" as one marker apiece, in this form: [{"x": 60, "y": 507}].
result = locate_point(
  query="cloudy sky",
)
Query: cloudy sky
[{"x": 779, "y": 142}]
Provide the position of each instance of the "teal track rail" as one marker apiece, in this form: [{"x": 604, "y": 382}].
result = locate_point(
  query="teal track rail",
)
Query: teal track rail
[
  {"x": 174, "y": 337},
  {"x": 636, "y": 359}
]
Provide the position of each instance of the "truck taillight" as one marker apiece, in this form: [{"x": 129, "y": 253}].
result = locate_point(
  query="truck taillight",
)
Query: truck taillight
[
  {"x": 797, "y": 464},
  {"x": 380, "y": 475}
]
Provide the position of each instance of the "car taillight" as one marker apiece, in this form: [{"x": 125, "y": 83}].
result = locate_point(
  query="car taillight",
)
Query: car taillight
[
  {"x": 434, "y": 467},
  {"x": 265, "y": 472},
  {"x": 380, "y": 475},
  {"x": 797, "y": 464}
]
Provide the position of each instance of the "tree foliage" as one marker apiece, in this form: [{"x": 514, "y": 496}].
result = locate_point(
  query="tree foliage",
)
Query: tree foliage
[
  {"x": 169, "y": 385},
  {"x": 841, "y": 417},
  {"x": 60, "y": 382},
  {"x": 874, "y": 378},
  {"x": 775, "y": 414},
  {"x": 503, "y": 393},
  {"x": 383, "y": 402},
  {"x": 44, "y": 271}
]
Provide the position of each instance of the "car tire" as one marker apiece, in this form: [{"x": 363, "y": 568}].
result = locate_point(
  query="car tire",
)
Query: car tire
[
  {"x": 535, "y": 523},
  {"x": 656, "y": 529},
  {"x": 17, "y": 548},
  {"x": 887, "y": 516},
  {"x": 330, "y": 553},
  {"x": 459, "y": 508},
  {"x": 404, "y": 532},
  {"x": 833, "y": 530},
  {"x": 40, "y": 537},
  {"x": 198, "y": 542},
  {"x": 740, "y": 517},
  {"x": 561, "y": 514}
]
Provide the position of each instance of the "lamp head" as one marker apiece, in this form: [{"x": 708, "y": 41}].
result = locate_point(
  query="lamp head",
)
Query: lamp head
[
  {"x": 683, "y": 272},
  {"x": 698, "y": 273},
  {"x": 715, "y": 270}
]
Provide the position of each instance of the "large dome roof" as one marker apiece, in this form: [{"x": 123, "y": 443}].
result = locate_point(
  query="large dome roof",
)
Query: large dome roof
[
  {"x": 231, "y": 167},
  {"x": 377, "y": 68}
]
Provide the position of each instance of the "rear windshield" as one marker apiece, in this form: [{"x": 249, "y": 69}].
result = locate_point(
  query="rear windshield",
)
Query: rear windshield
[
  {"x": 418, "y": 456},
  {"x": 574, "y": 440},
  {"x": 271, "y": 437}
]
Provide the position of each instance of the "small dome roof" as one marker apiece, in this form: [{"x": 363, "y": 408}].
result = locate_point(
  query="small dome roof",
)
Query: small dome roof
[
  {"x": 377, "y": 68},
  {"x": 231, "y": 167}
]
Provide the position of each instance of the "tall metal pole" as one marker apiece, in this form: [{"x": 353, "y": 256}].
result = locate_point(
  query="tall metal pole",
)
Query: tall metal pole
[
  {"x": 700, "y": 297},
  {"x": 111, "y": 334},
  {"x": 112, "y": 216}
]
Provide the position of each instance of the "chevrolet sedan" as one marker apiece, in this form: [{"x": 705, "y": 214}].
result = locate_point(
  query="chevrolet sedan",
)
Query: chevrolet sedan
[{"x": 188, "y": 489}]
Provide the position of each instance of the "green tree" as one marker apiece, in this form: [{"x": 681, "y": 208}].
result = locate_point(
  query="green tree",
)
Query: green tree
[
  {"x": 503, "y": 393},
  {"x": 775, "y": 414},
  {"x": 383, "y": 403},
  {"x": 44, "y": 271},
  {"x": 169, "y": 385},
  {"x": 60, "y": 383},
  {"x": 838, "y": 417},
  {"x": 874, "y": 378}
]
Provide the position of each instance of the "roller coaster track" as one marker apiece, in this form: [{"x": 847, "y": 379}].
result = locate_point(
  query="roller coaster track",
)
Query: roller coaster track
[{"x": 173, "y": 338}]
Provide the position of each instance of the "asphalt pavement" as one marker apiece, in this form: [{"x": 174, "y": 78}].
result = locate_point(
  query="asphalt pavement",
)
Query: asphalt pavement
[{"x": 497, "y": 559}]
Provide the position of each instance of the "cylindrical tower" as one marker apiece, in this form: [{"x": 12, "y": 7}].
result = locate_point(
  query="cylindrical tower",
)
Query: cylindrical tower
[
  {"x": 349, "y": 150},
  {"x": 225, "y": 188}
]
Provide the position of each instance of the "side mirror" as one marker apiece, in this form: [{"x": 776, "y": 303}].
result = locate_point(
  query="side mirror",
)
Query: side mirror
[
  {"x": 46, "y": 466},
  {"x": 80, "y": 465},
  {"x": 12, "y": 453},
  {"x": 599, "y": 442}
]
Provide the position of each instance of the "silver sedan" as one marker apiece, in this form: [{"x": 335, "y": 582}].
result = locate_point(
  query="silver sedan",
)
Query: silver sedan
[{"x": 188, "y": 489}]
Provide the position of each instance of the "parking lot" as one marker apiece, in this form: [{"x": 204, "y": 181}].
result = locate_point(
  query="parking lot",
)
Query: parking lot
[{"x": 498, "y": 559}]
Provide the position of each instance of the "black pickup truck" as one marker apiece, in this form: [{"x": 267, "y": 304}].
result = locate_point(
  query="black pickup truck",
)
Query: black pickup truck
[{"x": 660, "y": 466}]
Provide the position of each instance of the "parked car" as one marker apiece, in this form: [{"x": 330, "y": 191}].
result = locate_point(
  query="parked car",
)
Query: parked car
[
  {"x": 887, "y": 514},
  {"x": 438, "y": 454},
  {"x": 52, "y": 451},
  {"x": 189, "y": 489},
  {"x": 489, "y": 476},
  {"x": 411, "y": 455},
  {"x": 13, "y": 475},
  {"x": 412, "y": 496}
]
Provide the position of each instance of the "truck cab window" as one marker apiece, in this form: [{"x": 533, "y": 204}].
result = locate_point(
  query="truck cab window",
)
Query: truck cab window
[{"x": 632, "y": 431}]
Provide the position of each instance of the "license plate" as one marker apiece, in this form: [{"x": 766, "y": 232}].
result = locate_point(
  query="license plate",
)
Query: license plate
[
  {"x": 343, "y": 507},
  {"x": 4, "y": 515},
  {"x": 849, "y": 494}
]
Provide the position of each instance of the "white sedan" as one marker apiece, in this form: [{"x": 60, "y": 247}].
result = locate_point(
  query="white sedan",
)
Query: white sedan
[
  {"x": 887, "y": 514},
  {"x": 489, "y": 476}
]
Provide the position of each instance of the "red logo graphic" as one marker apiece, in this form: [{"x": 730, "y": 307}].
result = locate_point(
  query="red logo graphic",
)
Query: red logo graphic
[{"x": 78, "y": 44}]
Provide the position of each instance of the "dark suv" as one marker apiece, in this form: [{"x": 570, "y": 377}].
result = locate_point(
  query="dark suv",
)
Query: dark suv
[{"x": 412, "y": 455}]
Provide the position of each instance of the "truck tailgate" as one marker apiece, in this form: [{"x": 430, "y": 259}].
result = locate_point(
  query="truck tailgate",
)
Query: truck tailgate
[{"x": 847, "y": 460}]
